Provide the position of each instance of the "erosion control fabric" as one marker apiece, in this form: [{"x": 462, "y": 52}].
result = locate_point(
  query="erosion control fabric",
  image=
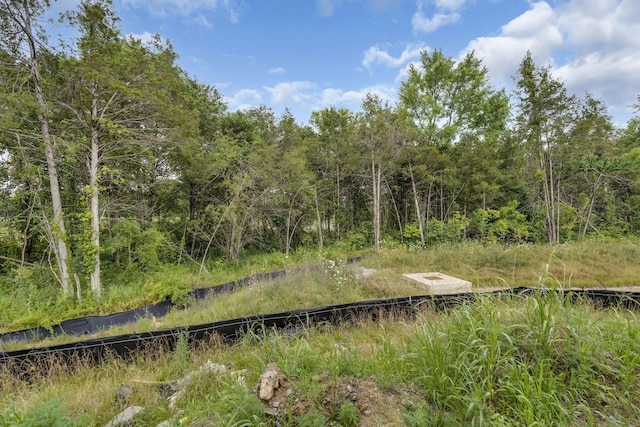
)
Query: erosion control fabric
[
  {"x": 93, "y": 324},
  {"x": 28, "y": 360}
]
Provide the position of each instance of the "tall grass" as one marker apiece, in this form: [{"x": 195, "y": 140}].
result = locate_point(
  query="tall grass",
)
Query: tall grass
[
  {"x": 25, "y": 302},
  {"x": 578, "y": 264},
  {"x": 505, "y": 360}
]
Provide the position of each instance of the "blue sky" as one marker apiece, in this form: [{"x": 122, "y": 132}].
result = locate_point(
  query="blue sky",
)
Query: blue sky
[{"x": 311, "y": 54}]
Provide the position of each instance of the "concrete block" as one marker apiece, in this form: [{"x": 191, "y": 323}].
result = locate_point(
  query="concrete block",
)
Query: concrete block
[{"x": 440, "y": 284}]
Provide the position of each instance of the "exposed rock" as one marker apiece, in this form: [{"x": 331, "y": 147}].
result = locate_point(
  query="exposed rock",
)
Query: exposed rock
[
  {"x": 124, "y": 394},
  {"x": 273, "y": 389},
  {"x": 175, "y": 397},
  {"x": 270, "y": 380},
  {"x": 125, "y": 417}
]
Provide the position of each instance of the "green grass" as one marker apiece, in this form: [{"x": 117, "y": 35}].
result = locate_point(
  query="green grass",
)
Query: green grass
[
  {"x": 578, "y": 264},
  {"x": 503, "y": 361},
  {"x": 319, "y": 280},
  {"x": 26, "y": 300}
]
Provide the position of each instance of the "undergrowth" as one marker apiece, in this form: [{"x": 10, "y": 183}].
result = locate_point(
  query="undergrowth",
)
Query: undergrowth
[{"x": 504, "y": 360}]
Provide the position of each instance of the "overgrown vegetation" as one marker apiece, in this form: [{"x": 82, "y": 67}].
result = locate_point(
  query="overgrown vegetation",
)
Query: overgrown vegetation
[
  {"x": 125, "y": 181},
  {"x": 116, "y": 167},
  {"x": 321, "y": 279},
  {"x": 502, "y": 361}
]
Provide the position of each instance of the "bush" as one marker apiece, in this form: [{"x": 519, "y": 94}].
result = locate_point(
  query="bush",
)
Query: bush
[
  {"x": 506, "y": 224},
  {"x": 49, "y": 414}
]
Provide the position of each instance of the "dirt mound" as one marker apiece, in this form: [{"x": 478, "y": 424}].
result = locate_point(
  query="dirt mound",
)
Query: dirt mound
[{"x": 360, "y": 401}]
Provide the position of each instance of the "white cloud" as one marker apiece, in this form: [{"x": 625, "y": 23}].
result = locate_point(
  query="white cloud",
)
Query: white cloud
[
  {"x": 352, "y": 99},
  {"x": 202, "y": 20},
  {"x": 450, "y": 4},
  {"x": 303, "y": 97},
  {"x": 277, "y": 70},
  {"x": 334, "y": 97},
  {"x": 422, "y": 24},
  {"x": 446, "y": 14},
  {"x": 146, "y": 38},
  {"x": 604, "y": 36},
  {"x": 535, "y": 31},
  {"x": 592, "y": 45},
  {"x": 376, "y": 55},
  {"x": 243, "y": 99},
  {"x": 290, "y": 92}
]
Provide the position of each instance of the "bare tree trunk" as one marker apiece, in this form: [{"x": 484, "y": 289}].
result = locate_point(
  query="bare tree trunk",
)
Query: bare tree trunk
[
  {"x": 397, "y": 212},
  {"x": 550, "y": 223},
  {"x": 592, "y": 199},
  {"x": 338, "y": 214},
  {"x": 59, "y": 233},
  {"x": 95, "y": 196},
  {"x": 417, "y": 205},
  {"x": 319, "y": 219},
  {"x": 427, "y": 212},
  {"x": 376, "y": 175},
  {"x": 558, "y": 212},
  {"x": 552, "y": 198}
]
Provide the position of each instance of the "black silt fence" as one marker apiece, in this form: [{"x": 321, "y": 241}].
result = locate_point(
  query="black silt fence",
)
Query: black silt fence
[
  {"x": 92, "y": 324},
  {"x": 229, "y": 331}
]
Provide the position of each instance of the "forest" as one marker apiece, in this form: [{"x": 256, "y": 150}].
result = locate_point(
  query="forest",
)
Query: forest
[{"x": 114, "y": 162}]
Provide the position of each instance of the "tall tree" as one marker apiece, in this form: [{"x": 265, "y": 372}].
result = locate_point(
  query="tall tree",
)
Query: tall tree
[
  {"x": 457, "y": 115},
  {"x": 24, "y": 40},
  {"x": 290, "y": 181},
  {"x": 380, "y": 134},
  {"x": 115, "y": 92},
  {"x": 590, "y": 160},
  {"x": 546, "y": 113},
  {"x": 332, "y": 159}
]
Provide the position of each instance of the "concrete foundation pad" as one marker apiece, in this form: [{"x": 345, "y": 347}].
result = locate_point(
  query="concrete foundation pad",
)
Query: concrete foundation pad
[{"x": 440, "y": 284}]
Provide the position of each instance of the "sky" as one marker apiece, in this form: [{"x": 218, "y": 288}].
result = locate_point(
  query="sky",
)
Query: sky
[{"x": 306, "y": 55}]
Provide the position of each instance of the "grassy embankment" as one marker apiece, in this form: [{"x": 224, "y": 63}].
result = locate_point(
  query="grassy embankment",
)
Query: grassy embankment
[
  {"x": 586, "y": 264},
  {"x": 503, "y": 361}
]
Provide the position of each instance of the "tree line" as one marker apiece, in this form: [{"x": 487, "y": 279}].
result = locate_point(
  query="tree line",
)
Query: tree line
[{"x": 114, "y": 159}]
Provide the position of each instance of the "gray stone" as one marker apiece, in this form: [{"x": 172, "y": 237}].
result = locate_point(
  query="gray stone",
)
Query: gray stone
[
  {"x": 124, "y": 394},
  {"x": 270, "y": 380},
  {"x": 125, "y": 417}
]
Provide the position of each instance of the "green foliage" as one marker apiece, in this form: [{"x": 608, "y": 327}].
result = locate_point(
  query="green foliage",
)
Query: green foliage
[
  {"x": 506, "y": 224},
  {"x": 489, "y": 362},
  {"x": 82, "y": 239},
  {"x": 348, "y": 415},
  {"x": 313, "y": 418},
  {"x": 187, "y": 186},
  {"x": 411, "y": 233},
  {"x": 51, "y": 413},
  {"x": 420, "y": 414},
  {"x": 451, "y": 231},
  {"x": 181, "y": 355},
  {"x": 354, "y": 240},
  {"x": 238, "y": 407},
  {"x": 30, "y": 297},
  {"x": 131, "y": 247},
  {"x": 501, "y": 360}
]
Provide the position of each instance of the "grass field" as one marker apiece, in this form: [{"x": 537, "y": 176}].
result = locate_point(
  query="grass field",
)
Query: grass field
[{"x": 502, "y": 361}]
